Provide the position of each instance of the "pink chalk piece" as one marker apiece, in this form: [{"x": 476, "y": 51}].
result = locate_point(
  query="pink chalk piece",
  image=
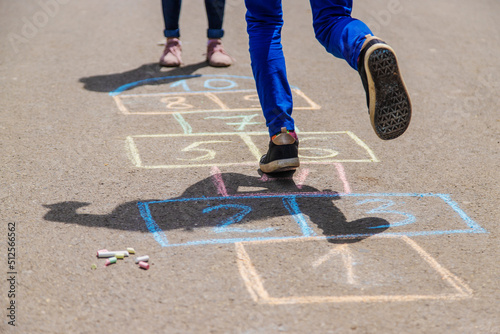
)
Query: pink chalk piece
[{"x": 144, "y": 265}]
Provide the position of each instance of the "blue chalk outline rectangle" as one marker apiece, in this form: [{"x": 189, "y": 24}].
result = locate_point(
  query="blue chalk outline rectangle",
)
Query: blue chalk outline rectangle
[{"x": 161, "y": 238}]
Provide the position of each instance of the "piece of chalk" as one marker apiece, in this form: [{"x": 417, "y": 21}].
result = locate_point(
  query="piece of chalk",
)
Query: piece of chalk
[
  {"x": 144, "y": 265},
  {"x": 131, "y": 250},
  {"x": 125, "y": 253},
  {"x": 101, "y": 250},
  {"x": 111, "y": 253},
  {"x": 144, "y": 258},
  {"x": 105, "y": 254},
  {"x": 109, "y": 261},
  {"x": 119, "y": 255}
]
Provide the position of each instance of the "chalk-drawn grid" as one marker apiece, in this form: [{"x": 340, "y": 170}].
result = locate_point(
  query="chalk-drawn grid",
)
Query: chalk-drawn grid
[
  {"x": 434, "y": 282},
  {"x": 235, "y": 220},
  {"x": 196, "y": 102},
  {"x": 238, "y": 148}
]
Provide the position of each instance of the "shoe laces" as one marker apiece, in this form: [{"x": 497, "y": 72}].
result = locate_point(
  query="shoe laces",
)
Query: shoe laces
[
  {"x": 173, "y": 47},
  {"x": 215, "y": 46}
]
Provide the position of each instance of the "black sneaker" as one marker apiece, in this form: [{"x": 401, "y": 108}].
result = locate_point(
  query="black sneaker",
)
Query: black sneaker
[
  {"x": 283, "y": 154},
  {"x": 386, "y": 95}
]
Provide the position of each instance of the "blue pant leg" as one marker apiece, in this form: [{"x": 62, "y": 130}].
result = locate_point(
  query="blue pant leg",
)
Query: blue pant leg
[
  {"x": 340, "y": 34},
  {"x": 171, "y": 12},
  {"x": 264, "y": 22},
  {"x": 215, "y": 16}
]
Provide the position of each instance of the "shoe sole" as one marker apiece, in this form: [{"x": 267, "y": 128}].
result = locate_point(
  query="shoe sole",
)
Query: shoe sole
[
  {"x": 170, "y": 65},
  {"x": 282, "y": 165},
  {"x": 218, "y": 64},
  {"x": 390, "y": 105}
]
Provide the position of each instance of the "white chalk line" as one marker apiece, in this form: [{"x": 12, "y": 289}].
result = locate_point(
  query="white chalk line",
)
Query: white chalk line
[{"x": 255, "y": 286}]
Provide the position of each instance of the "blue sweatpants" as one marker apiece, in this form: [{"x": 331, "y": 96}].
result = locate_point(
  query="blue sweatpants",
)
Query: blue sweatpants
[{"x": 335, "y": 29}]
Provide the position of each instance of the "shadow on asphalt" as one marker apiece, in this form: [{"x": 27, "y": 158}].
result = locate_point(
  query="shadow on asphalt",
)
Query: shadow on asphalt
[
  {"x": 198, "y": 207},
  {"x": 109, "y": 82}
]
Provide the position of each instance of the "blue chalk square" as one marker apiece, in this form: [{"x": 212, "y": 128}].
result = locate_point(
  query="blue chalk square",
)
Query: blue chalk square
[
  {"x": 229, "y": 219},
  {"x": 223, "y": 220}
]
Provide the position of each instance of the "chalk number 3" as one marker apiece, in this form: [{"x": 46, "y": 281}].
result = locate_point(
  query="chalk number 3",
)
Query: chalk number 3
[{"x": 383, "y": 208}]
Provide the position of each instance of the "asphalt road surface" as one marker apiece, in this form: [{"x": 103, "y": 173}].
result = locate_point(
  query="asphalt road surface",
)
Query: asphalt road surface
[{"x": 102, "y": 149}]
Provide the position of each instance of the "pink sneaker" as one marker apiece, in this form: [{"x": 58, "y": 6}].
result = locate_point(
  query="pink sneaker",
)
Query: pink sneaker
[
  {"x": 216, "y": 55},
  {"x": 171, "y": 56}
]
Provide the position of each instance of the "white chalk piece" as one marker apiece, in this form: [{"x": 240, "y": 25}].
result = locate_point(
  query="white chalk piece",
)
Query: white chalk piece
[
  {"x": 111, "y": 253},
  {"x": 144, "y": 258},
  {"x": 101, "y": 250}
]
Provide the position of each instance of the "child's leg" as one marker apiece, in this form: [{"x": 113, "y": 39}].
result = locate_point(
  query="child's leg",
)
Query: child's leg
[
  {"x": 216, "y": 54},
  {"x": 340, "y": 34},
  {"x": 171, "y": 55},
  {"x": 387, "y": 98},
  {"x": 171, "y": 12},
  {"x": 215, "y": 16},
  {"x": 264, "y": 23}
]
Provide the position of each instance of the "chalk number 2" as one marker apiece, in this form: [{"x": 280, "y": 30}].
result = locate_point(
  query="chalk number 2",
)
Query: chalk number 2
[{"x": 223, "y": 226}]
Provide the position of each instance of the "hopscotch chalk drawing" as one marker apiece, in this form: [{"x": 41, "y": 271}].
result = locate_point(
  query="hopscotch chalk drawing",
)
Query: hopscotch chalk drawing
[
  {"x": 205, "y": 97},
  {"x": 344, "y": 235}
]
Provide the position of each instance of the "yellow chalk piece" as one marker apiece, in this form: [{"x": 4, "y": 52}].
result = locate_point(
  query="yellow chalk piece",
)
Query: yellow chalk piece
[
  {"x": 119, "y": 255},
  {"x": 131, "y": 250}
]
